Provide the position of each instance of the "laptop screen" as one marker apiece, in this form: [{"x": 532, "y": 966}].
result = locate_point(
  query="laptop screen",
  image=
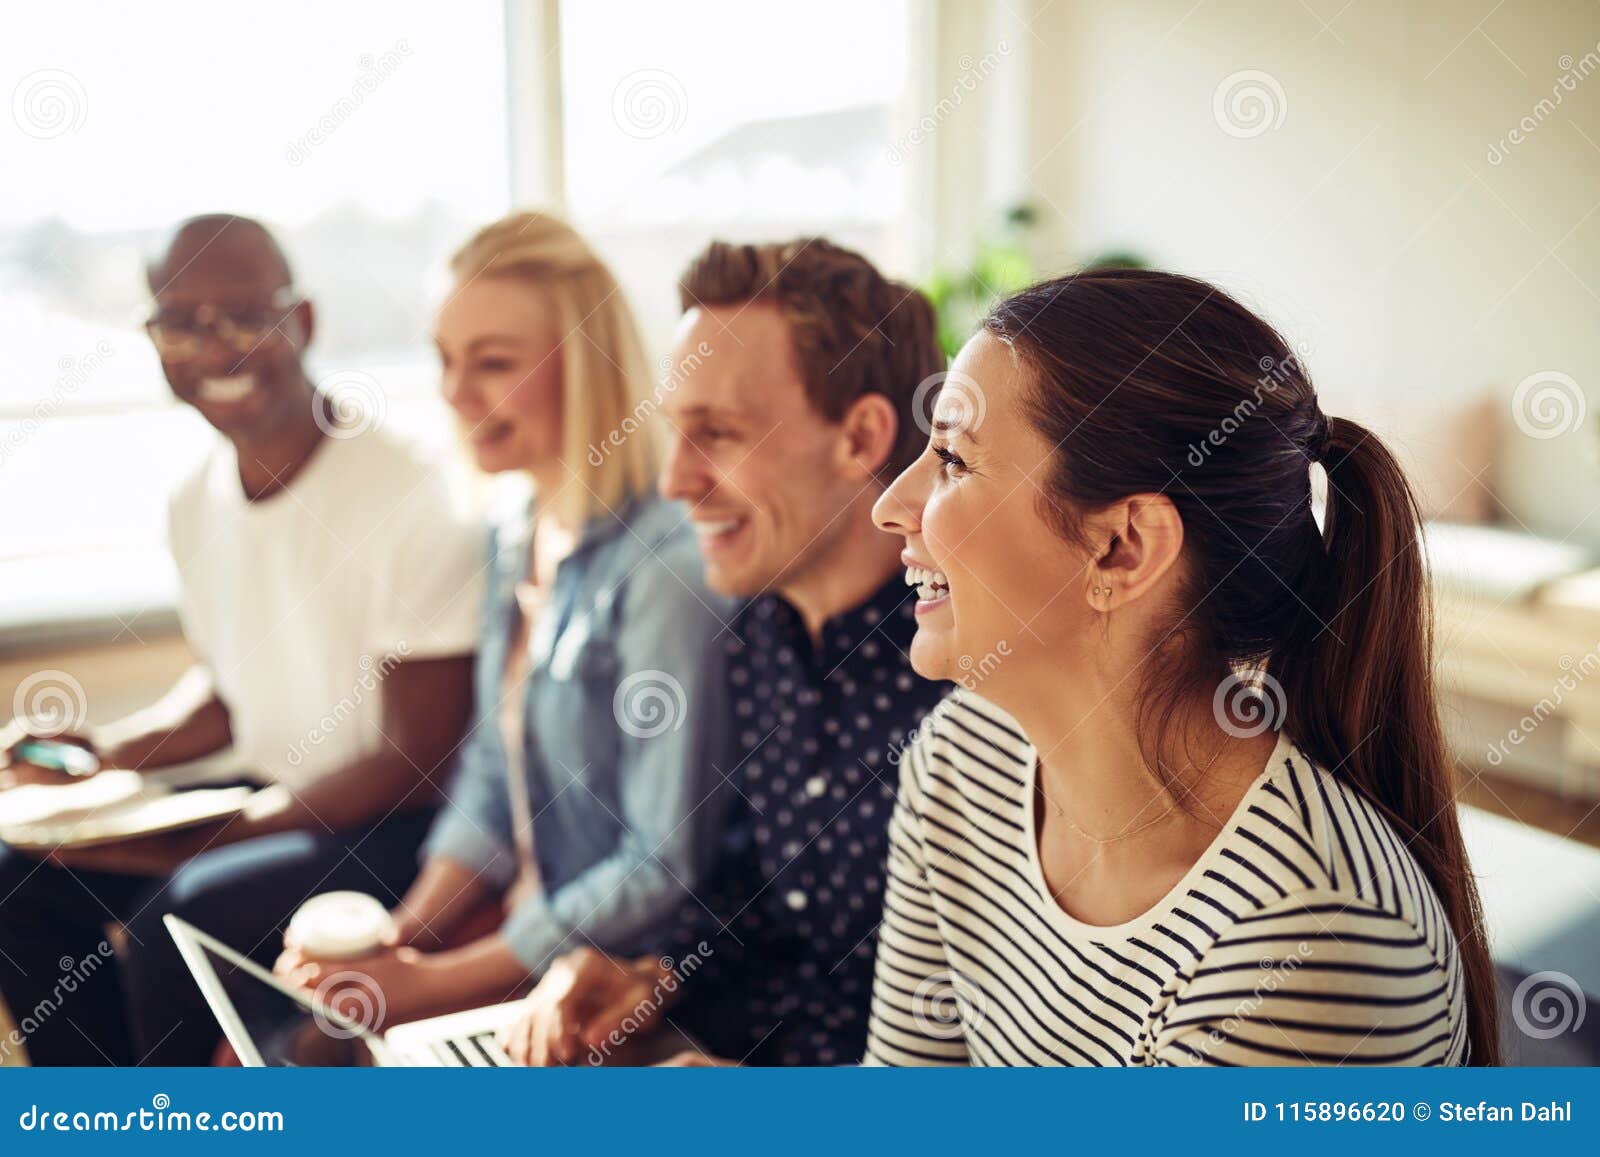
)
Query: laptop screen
[{"x": 286, "y": 1033}]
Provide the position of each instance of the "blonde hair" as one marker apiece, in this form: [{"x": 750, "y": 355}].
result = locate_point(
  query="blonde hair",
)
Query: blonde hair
[{"x": 605, "y": 373}]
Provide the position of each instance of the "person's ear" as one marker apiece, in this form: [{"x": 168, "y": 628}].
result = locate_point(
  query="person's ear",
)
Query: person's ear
[
  {"x": 1137, "y": 541},
  {"x": 867, "y": 436}
]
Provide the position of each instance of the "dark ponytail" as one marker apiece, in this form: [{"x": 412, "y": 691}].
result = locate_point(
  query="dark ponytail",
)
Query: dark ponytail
[
  {"x": 1357, "y": 674},
  {"x": 1151, "y": 382}
]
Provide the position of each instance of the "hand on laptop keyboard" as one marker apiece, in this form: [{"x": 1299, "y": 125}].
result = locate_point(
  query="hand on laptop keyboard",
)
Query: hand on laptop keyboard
[{"x": 588, "y": 1005}]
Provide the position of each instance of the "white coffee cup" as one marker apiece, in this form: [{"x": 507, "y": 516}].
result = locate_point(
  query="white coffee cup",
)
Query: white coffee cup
[{"x": 340, "y": 925}]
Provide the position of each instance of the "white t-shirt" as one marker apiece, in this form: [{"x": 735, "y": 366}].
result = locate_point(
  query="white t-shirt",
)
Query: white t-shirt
[{"x": 300, "y": 604}]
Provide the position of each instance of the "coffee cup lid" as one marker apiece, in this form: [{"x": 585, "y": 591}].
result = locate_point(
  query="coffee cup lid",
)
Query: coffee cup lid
[{"x": 340, "y": 924}]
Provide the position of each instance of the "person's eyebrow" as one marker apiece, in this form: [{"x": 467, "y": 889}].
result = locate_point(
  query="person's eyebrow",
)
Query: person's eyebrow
[
  {"x": 705, "y": 410},
  {"x": 947, "y": 427},
  {"x": 227, "y": 296},
  {"x": 493, "y": 339}
]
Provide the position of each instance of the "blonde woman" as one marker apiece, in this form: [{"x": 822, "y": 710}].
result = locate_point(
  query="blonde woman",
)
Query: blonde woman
[{"x": 573, "y": 817}]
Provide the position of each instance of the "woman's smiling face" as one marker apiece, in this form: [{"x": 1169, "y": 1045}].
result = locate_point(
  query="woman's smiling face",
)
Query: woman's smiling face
[
  {"x": 1004, "y": 582},
  {"x": 500, "y": 371}
]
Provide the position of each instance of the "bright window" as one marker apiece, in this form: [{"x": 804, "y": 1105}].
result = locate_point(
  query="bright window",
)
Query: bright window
[
  {"x": 371, "y": 136},
  {"x": 733, "y": 120}
]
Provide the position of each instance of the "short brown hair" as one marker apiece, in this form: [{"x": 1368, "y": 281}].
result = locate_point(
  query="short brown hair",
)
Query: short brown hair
[{"x": 855, "y": 331}]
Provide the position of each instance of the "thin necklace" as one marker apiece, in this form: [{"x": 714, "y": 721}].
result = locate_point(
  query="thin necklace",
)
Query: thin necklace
[{"x": 1102, "y": 841}]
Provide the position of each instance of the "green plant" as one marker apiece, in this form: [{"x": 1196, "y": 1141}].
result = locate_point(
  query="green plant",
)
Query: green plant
[
  {"x": 961, "y": 296},
  {"x": 1001, "y": 266}
]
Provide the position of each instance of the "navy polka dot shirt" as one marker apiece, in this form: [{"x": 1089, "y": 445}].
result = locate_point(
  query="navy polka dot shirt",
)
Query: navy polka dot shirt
[{"x": 791, "y": 910}]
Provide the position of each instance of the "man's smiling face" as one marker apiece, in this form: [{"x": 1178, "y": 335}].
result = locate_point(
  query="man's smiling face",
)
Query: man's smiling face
[
  {"x": 228, "y": 329},
  {"x": 749, "y": 454}
]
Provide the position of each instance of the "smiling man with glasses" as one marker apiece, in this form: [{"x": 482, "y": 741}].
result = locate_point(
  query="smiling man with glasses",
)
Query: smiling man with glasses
[{"x": 330, "y": 592}]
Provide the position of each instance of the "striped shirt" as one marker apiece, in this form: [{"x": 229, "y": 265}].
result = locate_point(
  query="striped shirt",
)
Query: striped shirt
[{"x": 1305, "y": 934}]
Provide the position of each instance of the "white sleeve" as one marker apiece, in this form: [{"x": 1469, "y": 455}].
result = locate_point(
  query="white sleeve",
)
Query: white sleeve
[{"x": 428, "y": 576}]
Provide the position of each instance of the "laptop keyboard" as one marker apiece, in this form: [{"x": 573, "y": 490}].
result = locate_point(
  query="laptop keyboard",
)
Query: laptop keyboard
[{"x": 478, "y": 1051}]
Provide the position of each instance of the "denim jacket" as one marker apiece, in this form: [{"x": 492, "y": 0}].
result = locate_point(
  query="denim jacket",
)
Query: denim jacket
[{"x": 626, "y": 696}]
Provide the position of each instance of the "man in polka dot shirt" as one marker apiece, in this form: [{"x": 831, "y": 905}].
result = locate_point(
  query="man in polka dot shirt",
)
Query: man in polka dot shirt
[{"x": 793, "y": 402}]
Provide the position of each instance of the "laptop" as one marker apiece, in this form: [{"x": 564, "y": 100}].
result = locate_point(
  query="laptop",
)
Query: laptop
[{"x": 271, "y": 1024}]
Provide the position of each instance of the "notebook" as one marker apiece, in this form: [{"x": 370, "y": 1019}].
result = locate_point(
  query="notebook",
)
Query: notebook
[{"x": 106, "y": 808}]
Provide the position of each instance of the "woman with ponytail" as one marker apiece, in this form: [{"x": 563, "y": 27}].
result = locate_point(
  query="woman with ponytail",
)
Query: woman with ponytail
[{"x": 1203, "y": 810}]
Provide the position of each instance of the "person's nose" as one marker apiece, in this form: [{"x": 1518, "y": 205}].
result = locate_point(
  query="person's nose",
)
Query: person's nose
[
  {"x": 208, "y": 355},
  {"x": 456, "y": 391},
  {"x": 683, "y": 476},
  {"x": 899, "y": 508}
]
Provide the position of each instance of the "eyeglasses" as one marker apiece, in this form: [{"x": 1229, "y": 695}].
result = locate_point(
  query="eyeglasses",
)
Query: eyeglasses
[{"x": 180, "y": 336}]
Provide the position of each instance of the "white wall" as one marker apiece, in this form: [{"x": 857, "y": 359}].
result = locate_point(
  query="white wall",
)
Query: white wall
[{"x": 1370, "y": 223}]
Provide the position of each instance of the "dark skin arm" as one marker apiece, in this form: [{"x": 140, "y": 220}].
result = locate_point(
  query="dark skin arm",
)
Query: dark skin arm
[
  {"x": 201, "y": 730},
  {"x": 426, "y": 705},
  {"x": 188, "y": 722}
]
